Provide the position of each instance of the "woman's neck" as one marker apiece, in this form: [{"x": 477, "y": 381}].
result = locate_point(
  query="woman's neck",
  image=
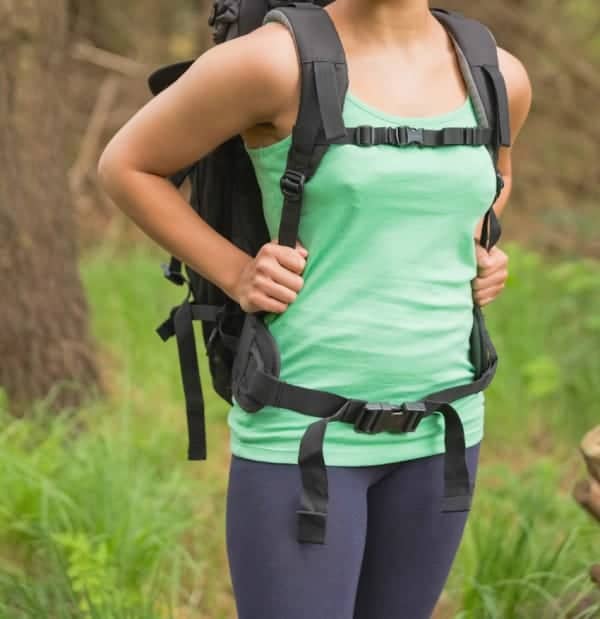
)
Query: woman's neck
[{"x": 390, "y": 23}]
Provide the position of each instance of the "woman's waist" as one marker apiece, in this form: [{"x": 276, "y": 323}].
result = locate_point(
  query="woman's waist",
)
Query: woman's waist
[{"x": 395, "y": 367}]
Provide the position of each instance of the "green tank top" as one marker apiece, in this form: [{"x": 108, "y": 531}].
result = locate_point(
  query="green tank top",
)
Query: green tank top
[{"x": 385, "y": 312}]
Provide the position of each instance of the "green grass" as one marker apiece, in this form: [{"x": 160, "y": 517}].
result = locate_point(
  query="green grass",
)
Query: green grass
[
  {"x": 526, "y": 550},
  {"x": 101, "y": 516},
  {"x": 547, "y": 331}
]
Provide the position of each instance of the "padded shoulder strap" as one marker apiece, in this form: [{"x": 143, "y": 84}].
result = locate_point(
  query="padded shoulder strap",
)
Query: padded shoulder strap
[
  {"x": 324, "y": 82},
  {"x": 323, "y": 72},
  {"x": 478, "y": 50},
  {"x": 478, "y": 54}
]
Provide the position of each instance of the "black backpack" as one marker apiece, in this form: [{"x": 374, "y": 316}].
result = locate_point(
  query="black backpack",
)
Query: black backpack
[{"x": 242, "y": 355}]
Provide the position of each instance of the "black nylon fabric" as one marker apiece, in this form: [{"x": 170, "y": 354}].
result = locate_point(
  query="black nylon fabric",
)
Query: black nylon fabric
[
  {"x": 251, "y": 14},
  {"x": 490, "y": 230},
  {"x": 366, "y": 135},
  {"x": 324, "y": 82},
  {"x": 190, "y": 376},
  {"x": 328, "y": 100},
  {"x": 180, "y": 324},
  {"x": 475, "y": 40},
  {"x": 481, "y": 52},
  {"x": 501, "y": 103},
  {"x": 164, "y": 76}
]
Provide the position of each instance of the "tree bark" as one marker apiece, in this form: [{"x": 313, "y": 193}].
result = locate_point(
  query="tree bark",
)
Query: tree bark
[{"x": 45, "y": 347}]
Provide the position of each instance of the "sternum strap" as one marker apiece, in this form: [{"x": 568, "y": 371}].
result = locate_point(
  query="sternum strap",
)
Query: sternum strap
[{"x": 366, "y": 135}]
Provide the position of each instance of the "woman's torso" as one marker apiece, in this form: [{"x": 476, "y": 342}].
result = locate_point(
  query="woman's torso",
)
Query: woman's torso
[{"x": 386, "y": 308}]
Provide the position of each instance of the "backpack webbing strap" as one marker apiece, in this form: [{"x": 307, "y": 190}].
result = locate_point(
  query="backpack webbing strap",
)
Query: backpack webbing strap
[
  {"x": 478, "y": 54},
  {"x": 324, "y": 81},
  {"x": 312, "y": 515},
  {"x": 329, "y": 100},
  {"x": 491, "y": 229},
  {"x": 480, "y": 51},
  {"x": 180, "y": 324},
  {"x": 370, "y": 418},
  {"x": 366, "y": 135},
  {"x": 173, "y": 271}
]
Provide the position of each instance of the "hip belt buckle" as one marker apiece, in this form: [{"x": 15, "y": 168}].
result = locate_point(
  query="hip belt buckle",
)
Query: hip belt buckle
[{"x": 396, "y": 418}]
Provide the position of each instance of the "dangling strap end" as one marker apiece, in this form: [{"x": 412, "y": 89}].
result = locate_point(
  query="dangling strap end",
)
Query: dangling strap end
[
  {"x": 503, "y": 118},
  {"x": 166, "y": 330},
  {"x": 312, "y": 527},
  {"x": 499, "y": 184},
  {"x": 329, "y": 103},
  {"x": 197, "y": 452},
  {"x": 460, "y": 503},
  {"x": 173, "y": 273}
]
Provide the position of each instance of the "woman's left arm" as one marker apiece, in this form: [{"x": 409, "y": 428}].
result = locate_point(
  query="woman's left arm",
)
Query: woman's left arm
[{"x": 492, "y": 266}]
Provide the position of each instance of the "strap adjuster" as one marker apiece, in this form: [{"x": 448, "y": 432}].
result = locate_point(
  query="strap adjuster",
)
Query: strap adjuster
[
  {"x": 292, "y": 183},
  {"x": 396, "y": 418},
  {"x": 176, "y": 277},
  {"x": 414, "y": 136},
  {"x": 499, "y": 183},
  {"x": 364, "y": 135},
  {"x": 392, "y": 136}
]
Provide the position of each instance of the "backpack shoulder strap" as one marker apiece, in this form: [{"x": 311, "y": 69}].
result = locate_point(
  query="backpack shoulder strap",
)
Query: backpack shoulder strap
[
  {"x": 478, "y": 55},
  {"x": 324, "y": 82}
]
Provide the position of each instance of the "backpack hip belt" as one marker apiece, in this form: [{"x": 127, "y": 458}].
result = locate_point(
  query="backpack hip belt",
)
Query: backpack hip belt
[{"x": 256, "y": 384}]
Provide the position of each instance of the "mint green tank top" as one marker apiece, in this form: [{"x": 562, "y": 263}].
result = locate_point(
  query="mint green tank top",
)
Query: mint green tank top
[{"x": 385, "y": 312}]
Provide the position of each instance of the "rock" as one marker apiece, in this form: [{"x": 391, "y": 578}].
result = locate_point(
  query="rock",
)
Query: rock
[
  {"x": 590, "y": 448},
  {"x": 587, "y": 493},
  {"x": 595, "y": 574}
]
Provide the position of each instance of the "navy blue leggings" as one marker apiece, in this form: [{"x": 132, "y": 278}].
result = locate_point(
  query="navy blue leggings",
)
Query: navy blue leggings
[{"x": 388, "y": 552}]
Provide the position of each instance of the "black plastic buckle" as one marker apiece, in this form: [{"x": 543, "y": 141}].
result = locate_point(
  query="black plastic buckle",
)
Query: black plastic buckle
[
  {"x": 292, "y": 184},
  {"x": 413, "y": 413},
  {"x": 175, "y": 277},
  {"x": 499, "y": 183},
  {"x": 216, "y": 331},
  {"x": 370, "y": 418},
  {"x": 395, "y": 418},
  {"x": 364, "y": 135},
  {"x": 392, "y": 136},
  {"x": 414, "y": 136}
]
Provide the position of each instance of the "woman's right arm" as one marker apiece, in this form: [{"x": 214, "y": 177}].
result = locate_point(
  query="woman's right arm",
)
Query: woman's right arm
[{"x": 230, "y": 88}]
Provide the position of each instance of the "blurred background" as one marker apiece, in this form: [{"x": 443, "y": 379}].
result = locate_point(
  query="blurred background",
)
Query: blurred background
[{"x": 101, "y": 516}]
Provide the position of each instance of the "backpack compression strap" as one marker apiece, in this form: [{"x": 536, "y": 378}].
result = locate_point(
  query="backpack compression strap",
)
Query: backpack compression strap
[
  {"x": 478, "y": 55},
  {"x": 324, "y": 78}
]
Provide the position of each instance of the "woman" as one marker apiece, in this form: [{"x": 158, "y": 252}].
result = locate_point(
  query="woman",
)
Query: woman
[{"x": 389, "y": 548}]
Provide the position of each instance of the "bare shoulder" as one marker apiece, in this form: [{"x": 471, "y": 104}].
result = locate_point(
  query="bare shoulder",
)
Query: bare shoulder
[
  {"x": 275, "y": 66},
  {"x": 518, "y": 86},
  {"x": 275, "y": 52},
  {"x": 245, "y": 82}
]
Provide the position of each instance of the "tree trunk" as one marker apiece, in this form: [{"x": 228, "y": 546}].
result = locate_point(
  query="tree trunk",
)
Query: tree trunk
[{"x": 44, "y": 342}]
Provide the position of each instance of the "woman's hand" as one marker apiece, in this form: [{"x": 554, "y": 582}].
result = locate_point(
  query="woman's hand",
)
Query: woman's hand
[
  {"x": 272, "y": 280},
  {"x": 492, "y": 272}
]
